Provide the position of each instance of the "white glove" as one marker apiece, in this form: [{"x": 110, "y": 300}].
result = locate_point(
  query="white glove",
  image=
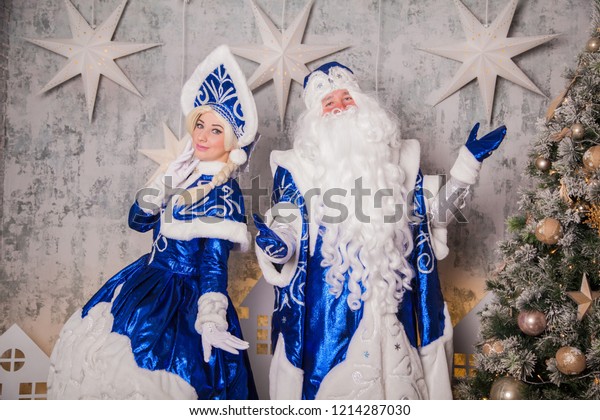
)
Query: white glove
[
  {"x": 153, "y": 197},
  {"x": 212, "y": 337},
  {"x": 181, "y": 168}
]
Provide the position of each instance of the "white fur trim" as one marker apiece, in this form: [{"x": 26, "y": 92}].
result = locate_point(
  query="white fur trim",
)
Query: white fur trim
[
  {"x": 410, "y": 161},
  {"x": 238, "y": 156},
  {"x": 209, "y": 168},
  {"x": 206, "y": 227},
  {"x": 439, "y": 234},
  {"x": 380, "y": 362},
  {"x": 320, "y": 84},
  {"x": 212, "y": 307},
  {"x": 436, "y": 359},
  {"x": 271, "y": 275},
  {"x": 222, "y": 55},
  {"x": 466, "y": 168},
  {"x": 90, "y": 362},
  {"x": 285, "y": 380}
]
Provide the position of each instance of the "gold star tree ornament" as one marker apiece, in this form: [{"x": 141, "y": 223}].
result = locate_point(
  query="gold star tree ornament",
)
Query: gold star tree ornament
[
  {"x": 282, "y": 56},
  {"x": 486, "y": 54},
  {"x": 584, "y": 297},
  {"x": 91, "y": 53},
  {"x": 173, "y": 148}
]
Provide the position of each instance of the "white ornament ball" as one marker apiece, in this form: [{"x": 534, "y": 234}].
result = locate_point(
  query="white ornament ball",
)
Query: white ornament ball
[{"x": 238, "y": 156}]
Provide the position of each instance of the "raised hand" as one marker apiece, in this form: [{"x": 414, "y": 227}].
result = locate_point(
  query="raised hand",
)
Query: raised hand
[
  {"x": 484, "y": 147},
  {"x": 181, "y": 168},
  {"x": 267, "y": 240},
  {"x": 212, "y": 337}
]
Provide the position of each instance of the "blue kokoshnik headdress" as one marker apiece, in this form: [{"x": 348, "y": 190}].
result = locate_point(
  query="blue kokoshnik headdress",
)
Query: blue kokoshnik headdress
[
  {"x": 327, "y": 78},
  {"x": 219, "y": 83}
]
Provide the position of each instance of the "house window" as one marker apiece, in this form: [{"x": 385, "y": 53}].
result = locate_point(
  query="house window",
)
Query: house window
[
  {"x": 243, "y": 312},
  {"x": 262, "y": 334},
  {"x": 12, "y": 360},
  {"x": 464, "y": 365},
  {"x": 33, "y": 390}
]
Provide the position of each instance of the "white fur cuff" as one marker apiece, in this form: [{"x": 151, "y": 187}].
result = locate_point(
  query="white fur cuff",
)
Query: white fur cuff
[
  {"x": 284, "y": 277},
  {"x": 466, "y": 168},
  {"x": 212, "y": 307}
]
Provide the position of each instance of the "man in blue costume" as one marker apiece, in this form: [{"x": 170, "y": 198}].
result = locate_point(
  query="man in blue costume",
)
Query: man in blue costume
[{"x": 351, "y": 244}]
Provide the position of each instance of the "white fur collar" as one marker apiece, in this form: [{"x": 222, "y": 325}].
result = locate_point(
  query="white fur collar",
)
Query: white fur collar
[{"x": 209, "y": 168}]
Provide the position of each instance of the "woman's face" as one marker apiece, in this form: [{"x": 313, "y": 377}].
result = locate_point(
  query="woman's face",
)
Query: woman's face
[{"x": 209, "y": 139}]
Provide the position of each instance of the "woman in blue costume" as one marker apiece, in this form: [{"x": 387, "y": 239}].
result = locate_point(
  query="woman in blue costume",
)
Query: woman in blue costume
[{"x": 164, "y": 327}]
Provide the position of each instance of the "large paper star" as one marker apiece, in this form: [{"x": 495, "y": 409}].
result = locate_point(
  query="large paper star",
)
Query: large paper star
[
  {"x": 487, "y": 53},
  {"x": 91, "y": 53},
  {"x": 584, "y": 298},
  {"x": 173, "y": 148},
  {"x": 282, "y": 57}
]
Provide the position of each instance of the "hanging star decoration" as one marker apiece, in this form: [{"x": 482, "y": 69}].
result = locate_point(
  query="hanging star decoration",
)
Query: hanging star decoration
[
  {"x": 282, "y": 56},
  {"x": 487, "y": 53},
  {"x": 173, "y": 148},
  {"x": 91, "y": 53},
  {"x": 584, "y": 298}
]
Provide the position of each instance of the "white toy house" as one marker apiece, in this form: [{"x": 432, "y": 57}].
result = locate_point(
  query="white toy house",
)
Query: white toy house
[
  {"x": 466, "y": 336},
  {"x": 255, "y": 319},
  {"x": 23, "y": 367}
]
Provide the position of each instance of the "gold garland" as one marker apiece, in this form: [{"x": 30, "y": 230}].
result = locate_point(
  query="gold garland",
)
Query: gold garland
[{"x": 593, "y": 218}]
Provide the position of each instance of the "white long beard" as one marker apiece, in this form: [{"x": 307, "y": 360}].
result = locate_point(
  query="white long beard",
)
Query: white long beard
[{"x": 359, "y": 144}]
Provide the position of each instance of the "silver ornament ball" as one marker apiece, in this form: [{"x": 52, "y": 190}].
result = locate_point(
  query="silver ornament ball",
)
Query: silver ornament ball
[
  {"x": 593, "y": 44},
  {"x": 577, "y": 131},
  {"x": 507, "y": 389},
  {"x": 532, "y": 323},
  {"x": 543, "y": 164}
]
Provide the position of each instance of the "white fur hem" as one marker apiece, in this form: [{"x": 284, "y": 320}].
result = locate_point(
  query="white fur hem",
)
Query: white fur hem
[
  {"x": 285, "y": 380},
  {"x": 436, "y": 359},
  {"x": 212, "y": 307},
  {"x": 206, "y": 227},
  {"x": 91, "y": 362},
  {"x": 466, "y": 168},
  {"x": 271, "y": 275}
]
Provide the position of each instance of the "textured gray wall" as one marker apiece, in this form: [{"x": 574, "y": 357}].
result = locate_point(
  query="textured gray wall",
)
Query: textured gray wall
[{"x": 68, "y": 183}]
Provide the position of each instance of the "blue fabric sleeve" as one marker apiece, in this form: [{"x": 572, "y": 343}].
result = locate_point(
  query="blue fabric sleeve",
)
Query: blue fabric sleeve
[
  {"x": 140, "y": 220},
  {"x": 213, "y": 265}
]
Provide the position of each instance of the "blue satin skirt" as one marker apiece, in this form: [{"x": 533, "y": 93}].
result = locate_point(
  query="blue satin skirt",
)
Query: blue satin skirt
[{"x": 157, "y": 308}]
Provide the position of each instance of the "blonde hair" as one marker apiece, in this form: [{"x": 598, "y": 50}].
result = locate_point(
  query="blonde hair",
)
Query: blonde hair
[{"x": 231, "y": 142}]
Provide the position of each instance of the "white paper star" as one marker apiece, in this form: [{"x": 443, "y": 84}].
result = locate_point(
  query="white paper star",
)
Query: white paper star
[
  {"x": 173, "y": 148},
  {"x": 487, "y": 53},
  {"x": 91, "y": 53},
  {"x": 282, "y": 57}
]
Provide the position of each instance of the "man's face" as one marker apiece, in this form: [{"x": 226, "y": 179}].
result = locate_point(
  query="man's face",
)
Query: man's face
[{"x": 337, "y": 101}]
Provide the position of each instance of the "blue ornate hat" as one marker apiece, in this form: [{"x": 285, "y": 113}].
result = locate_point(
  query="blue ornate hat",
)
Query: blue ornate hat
[
  {"x": 327, "y": 78},
  {"x": 219, "y": 82}
]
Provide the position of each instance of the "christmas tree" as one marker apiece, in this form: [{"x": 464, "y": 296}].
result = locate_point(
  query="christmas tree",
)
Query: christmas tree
[{"x": 540, "y": 335}]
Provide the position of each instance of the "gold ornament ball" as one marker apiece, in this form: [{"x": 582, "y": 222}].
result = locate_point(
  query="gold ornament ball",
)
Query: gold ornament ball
[
  {"x": 532, "y": 323},
  {"x": 577, "y": 131},
  {"x": 593, "y": 44},
  {"x": 548, "y": 231},
  {"x": 570, "y": 360},
  {"x": 543, "y": 164},
  {"x": 492, "y": 347},
  {"x": 507, "y": 389},
  {"x": 591, "y": 158}
]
